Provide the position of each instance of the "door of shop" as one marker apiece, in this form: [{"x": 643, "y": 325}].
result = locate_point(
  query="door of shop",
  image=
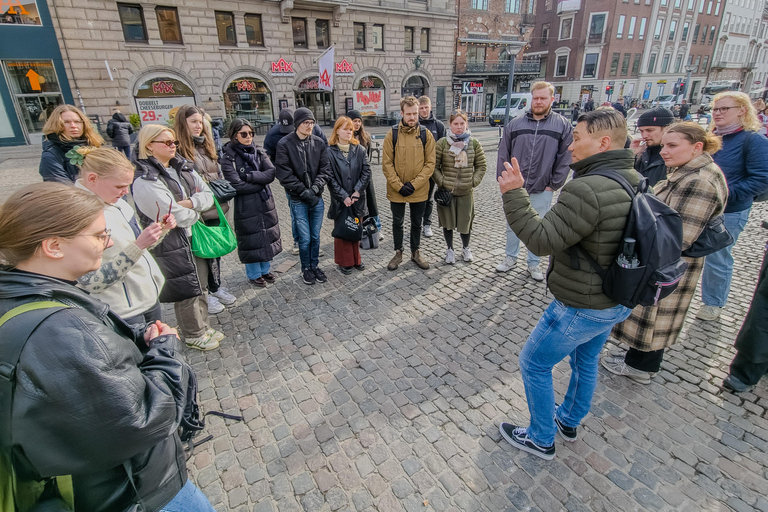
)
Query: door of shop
[
  {"x": 320, "y": 103},
  {"x": 35, "y": 90}
]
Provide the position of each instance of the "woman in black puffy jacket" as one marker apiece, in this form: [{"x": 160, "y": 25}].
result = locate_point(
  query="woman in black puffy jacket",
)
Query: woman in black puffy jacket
[
  {"x": 248, "y": 168},
  {"x": 66, "y": 128}
]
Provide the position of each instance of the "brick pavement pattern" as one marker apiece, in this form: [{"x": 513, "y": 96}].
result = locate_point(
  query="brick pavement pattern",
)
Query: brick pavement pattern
[{"x": 382, "y": 391}]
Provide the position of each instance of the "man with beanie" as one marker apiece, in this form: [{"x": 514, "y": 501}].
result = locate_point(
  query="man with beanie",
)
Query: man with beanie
[
  {"x": 437, "y": 128},
  {"x": 648, "y": 161},
  {"x": 303, "y": 168},
  {"x": 409, "y": 161}
]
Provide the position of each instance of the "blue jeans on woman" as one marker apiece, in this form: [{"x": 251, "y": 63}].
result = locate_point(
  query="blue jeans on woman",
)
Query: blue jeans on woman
[
  {"x": 309, "y": 220},
  {"x": 564, "y": 331},
  {"x": 256, "y": 270},
  {"x": 718, "y": 266},
  {"x": 189, "y": 499}
]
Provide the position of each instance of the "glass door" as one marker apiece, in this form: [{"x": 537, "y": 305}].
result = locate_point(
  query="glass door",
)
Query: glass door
[{"x": 36, "y": 92}]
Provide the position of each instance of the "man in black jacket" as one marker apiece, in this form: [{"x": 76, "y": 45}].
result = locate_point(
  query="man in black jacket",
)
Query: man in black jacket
[
  {"x": 303, "y": 168},
  {"x": 427, "y": 120},
  {"x": 648, "y": 161},
  {"x": 120, "y": 130}
]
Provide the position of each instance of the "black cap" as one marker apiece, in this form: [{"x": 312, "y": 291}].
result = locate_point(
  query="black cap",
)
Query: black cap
[
  {"x": 285, "y": 120},
  {"x": 302, "y": 114},
  {"x": 354, "y": 114},
  {"x": 658, "y": 116}
]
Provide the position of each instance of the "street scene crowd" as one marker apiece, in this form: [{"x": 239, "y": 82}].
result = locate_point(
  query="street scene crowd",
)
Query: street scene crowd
[{"x": 100, "y": 393}]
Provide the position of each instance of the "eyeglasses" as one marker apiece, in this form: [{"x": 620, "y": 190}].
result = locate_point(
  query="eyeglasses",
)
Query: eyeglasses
[
  {"x": 168, "y": 143},
  {"x": 723, "y": 110},
  {"x": 245, "y": 135},
  {"x": 105, "y": 237}
]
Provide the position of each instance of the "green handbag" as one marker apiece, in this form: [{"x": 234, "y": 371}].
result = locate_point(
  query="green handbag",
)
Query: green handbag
[{"x": 209, "y": 242}]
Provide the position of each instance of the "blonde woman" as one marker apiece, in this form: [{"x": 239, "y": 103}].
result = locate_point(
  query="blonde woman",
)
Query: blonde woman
[
  {"x": 744, "y": 162},
  {"x": 66, "y": 128},
  {"x": 128, "y": 279},
  {"x": 167, "y": 183}
]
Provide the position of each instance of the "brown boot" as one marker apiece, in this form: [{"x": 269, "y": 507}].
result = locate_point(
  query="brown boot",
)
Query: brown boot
[
  {"x": 421, "y": 262},
  {"x": 396, "y": 260}
]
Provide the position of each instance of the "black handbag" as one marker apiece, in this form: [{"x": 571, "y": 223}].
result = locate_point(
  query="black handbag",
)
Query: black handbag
[
  {"x": 222, "y": 190},
  {"x": 347, "y": 225},
  {"x": 443, "y": 197},
  {"x": 713, "y": 238}
]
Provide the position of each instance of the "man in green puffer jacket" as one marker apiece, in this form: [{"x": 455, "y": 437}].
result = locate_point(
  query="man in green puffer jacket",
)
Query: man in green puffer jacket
[{"x": 591, "y": 211}]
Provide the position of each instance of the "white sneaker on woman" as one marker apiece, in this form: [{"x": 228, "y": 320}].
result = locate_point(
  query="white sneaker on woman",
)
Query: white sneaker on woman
[
  {"x": 224, "y": 296},
  {"x": 214, "y": 306},
  {"x": 450, "y": 257},
  {"x": 467, "y": 254}
]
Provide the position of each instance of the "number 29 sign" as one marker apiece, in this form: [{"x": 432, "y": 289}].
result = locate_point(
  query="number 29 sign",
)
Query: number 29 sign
[{"x": 155, "y": 110}]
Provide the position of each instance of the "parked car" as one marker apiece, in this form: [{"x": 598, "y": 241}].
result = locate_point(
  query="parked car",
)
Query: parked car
[
  {"x": 667, "y": 101},
  {"x": 519, "y": 103}
]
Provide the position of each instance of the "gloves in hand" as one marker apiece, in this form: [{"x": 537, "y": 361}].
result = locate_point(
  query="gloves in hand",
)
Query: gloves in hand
[
  {"x": 316, "y": 190},
  {"x": 314, "y": 201},
  {"x": 407, "y": 189},
  {"x": 308, "y": 196}
]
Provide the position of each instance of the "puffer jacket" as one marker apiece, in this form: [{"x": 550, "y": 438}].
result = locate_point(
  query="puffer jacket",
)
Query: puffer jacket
[
  {"x": 413, "y": 163},
  {"x": 349, "y": 175},
  {"x": 459, "y": 181},
  {"x": 256, "y": 224},
  {"x": 650, "y": 164},
  {"x": 541, "y": 148},
  {"x": 119, "y": 130},
  {"x": 54, "y": 166},
  {"x": 591, "y": 211},
  {"x": 92, "y": 397}
]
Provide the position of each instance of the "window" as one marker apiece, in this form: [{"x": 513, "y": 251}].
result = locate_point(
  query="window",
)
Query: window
[
  {"x": 698, "y": 61},
  {"x": 323, "y": 33},
  {"x": 547, "y": 5},
  {"x": 717, "y": 8},
  {"x": 691, "y": 4},
  {"x": 565, "y": 28},
  {"x": 408, "y": 41},
  {"x": 425, "y": 40},
  {"x": 701, "y": 6},
  {"x": 625, "y": 64},
  {"x": 695, "y": 33},
  {"x": 359, "y": 30},
  {"x": 620, "y": 30},
  {"x": 672, "y": 29},
  {"x": 704, "y": 35},
  {"x": 665, "y": 63},
  {"x": 652, "y": 63},
  {"x": 677, "y": 4},
  {"x": 512, "y": 6},
  {"x": 686, "y": 26},
  {"x": 664, "y": 3},
  {"x": 590, "y": 65},
  {"x": 636, "y": 64},
  {"x": 480, "y": 4},
  {"x": 378, "y": 37},
  {"x": 678, "y": 62},
  {"x": 704, "y": 64},
  {"x": 711, "y": 34},
  {"x": 542, "y": 68},
  {"x": 299, "y": 32},
  {"x": 168, "y": 23},
  {"x": 562, "y": 65},
  {"x": 615, "y": 63},
  {"x": 225, "y": 27},
  {"x": 632, "y": 22},
  {"x": 596, "y": 26},
  {"x": 657, "y": 30},
  {"x": 476, "y": 53},
  {"x": 641, "y": 34},
  {"x": 531, "y": 6},
  {"x": 253, "y": 32},
  {"x": 544, "y": 33},
  {"x": 709, "y": 7},
  {"x": 132, "y": 20}
]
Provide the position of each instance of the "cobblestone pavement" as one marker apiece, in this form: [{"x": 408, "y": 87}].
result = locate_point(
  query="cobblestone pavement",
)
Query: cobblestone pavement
[{"x": 382, "y": 391}]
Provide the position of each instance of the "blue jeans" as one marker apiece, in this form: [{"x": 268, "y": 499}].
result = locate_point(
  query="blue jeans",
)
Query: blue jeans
[
  {"x": 309, "y": 220},
  {"x": 563, "y": 331},
  {"x": 294, "y": 229},
  {"x": 189, "y": 499},
  {"x": 541, "y": 203},
  {"x": 718, "y": 266},
  {"x": 256, "y": 270}
]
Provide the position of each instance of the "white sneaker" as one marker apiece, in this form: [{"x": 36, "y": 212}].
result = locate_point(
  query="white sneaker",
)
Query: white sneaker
[
  {"x": 467, "y": 254},
  {"x": 321, "y": 253},
  {"x": 215, "y": 335},
  {"x": 204, "y": 342},
  {"x": 381, "y": 236},
  {"x": 427, "y": 230},
  {"x": 214, "y": 306},
  {"x": 709, "y": 313},
  {"x": 536, "y": 273},
  {"x": 508, "y": 264},
  {"x": 450, "y": 257},
  {"x": 224, "y": 296},
  {"x": 295, "y": 249}
]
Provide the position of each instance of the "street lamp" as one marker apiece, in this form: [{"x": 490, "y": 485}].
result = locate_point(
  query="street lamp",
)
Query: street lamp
[
  {"x": 689, "y": 68},
  {"x": 513, "y": 47}
]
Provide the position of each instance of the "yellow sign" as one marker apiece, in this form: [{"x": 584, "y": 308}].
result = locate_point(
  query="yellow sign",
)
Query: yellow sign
[
  {"x": 661, "y": 82},
  {"x": 9, "y": 4}
]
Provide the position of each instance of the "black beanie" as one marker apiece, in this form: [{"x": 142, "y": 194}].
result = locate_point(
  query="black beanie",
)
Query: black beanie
[
  {"x": 354, "y": 114},
  {"x": 658, "y": 116},
  {"x": 302, "y": 114}
]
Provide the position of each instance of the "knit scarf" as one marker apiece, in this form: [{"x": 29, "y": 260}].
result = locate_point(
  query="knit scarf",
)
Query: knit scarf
[
  {"x": 199, "y": 140},
  {"x": 727, "y": 130},
  {"x": 459, "y": 147},
  {"x": 247, "y": 153}
]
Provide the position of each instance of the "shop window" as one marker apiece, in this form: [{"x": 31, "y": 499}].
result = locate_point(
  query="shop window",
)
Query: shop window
[
  {"x": 590, "y": 65},
  {"x": 132, "y": 20},
  {"x": 168, "y": 23},
  {"x": 225, "y": 26},
  {"x": 24, "y": 13},
  {"x": 249, "y": 98},
  {"x": 425, "y": 40},
  {"x": 359, "y": 29},
  {"x": 408, "y": 39},
  {"x": 36, "y": 90},
  {"x": 378, "y": 37},
  {"x": 323, "y": 33},
  {"x": 299, "y": 32},
  {"x": 253, "y": 32}
]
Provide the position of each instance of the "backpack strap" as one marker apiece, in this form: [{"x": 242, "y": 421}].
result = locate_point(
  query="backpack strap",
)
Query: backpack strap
[
  {"x": 394, "y": 142},
  {"x": 423, "y": 135}
]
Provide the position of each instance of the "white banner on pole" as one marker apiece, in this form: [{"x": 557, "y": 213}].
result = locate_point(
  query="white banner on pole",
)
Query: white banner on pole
[{"x": 326, "y": 62}]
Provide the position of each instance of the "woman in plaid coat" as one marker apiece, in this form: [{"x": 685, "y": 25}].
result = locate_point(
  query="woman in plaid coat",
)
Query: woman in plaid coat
[{"x": 696, "y": 188}]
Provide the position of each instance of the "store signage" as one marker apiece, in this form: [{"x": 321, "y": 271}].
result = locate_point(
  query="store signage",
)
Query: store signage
[
  {"x": 367, "y": 83},
  {"x": 471, "y": 87},
  {"x": 310, "y": 84},
  {"x": 661, "y": 82},
  {"x": 456, "y": 87},
  {"x": 246, "y": 85},
  {"x": 344, "y": 68},
  {"x": 155, "y": 110},
  {"x": 369, "y": 102},
  {"x": 162, "y": 87},
  {"x": 282, "y": 68},
  {"x": 34, "y": 80},
  {"x": 10, "y": 4}
]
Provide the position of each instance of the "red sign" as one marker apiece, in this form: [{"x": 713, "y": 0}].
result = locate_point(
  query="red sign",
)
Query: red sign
[
  {"x": 162, "y": 87},
  {"x": 245, "y": 85},
  {"x": 368, "y": 97},
  {"x": 344, "y": 67},
  {"x": 325, "y": 78},
  {"x": 367, "y": 82},
  {"x": 282, "y": 67},
  {"x": 369, "y": 102},
  {"x": 309, "y": 84}
]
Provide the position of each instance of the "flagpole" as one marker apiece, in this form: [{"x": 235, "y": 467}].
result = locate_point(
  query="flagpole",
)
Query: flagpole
[{"x": 314, "y": 61}]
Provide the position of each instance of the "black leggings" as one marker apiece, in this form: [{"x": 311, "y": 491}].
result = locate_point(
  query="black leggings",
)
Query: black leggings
[{"x": 448, "y": 235}]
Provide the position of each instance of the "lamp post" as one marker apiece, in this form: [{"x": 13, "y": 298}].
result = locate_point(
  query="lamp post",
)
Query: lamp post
[
  {"x": 689, "y": 69},
  {"x": 509, "y": 86}
]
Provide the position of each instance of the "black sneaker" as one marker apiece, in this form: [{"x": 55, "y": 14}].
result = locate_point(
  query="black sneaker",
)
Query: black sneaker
[
  {"x": 567, "y": 433},
  {"x": 345, "y": 270},
  {"x": 518, "y": 437},
  {"x": 309, "y": 276},
  {"x": 733, "y": 384},
  {"x": 320, "y": 275}
]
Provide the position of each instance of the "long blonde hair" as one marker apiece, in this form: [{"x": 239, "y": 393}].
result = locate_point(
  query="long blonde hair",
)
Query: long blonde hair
[
  {"x": 749, "y": 121},
  {"x": 149, "y": 133},
  {"x": 44, "y": 210},
  {"x": 55, "y": 125},
  {"x": 103, "y": 162}
]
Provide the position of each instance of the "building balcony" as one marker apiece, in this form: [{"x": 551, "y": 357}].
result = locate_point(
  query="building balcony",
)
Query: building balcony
[
  {"x": 568, "y": 6},
  {"x": 595, "y": 38},
  {"x": 525, "y": 66},
  {"x": 750, "y": 65},
  {"x": 720, "y": 64}
]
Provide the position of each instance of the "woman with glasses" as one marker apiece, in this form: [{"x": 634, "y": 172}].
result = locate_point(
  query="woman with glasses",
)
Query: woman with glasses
[
  {"x": 128, "y": 279},
  {"x": 95, "y": 398},
  {"x": 196, "y": 144},
  {"x": 66, "y": 128},
  {"x": 166, "y": 183},
  {"x": 744, "y": 161},
  {"x": 248, "y": 168}
]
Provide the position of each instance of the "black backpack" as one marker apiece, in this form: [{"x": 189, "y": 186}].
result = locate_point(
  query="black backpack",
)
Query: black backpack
[{"x": 657, "y": 231}]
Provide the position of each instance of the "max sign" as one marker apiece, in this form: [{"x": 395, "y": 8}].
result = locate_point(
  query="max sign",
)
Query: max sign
[
  {"x": 369, "y": 102},
  {"x": 282, "y": 68}
]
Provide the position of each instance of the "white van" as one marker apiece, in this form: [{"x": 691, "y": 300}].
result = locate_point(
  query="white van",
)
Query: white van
[{"x": 520, "y": 103}]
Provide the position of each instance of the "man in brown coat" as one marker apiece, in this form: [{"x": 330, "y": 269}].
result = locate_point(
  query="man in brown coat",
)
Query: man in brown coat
[{"x": 409, "y": 161}]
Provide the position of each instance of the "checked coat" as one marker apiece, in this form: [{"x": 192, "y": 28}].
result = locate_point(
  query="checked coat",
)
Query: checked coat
[{"x": 698, "y": 192}]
